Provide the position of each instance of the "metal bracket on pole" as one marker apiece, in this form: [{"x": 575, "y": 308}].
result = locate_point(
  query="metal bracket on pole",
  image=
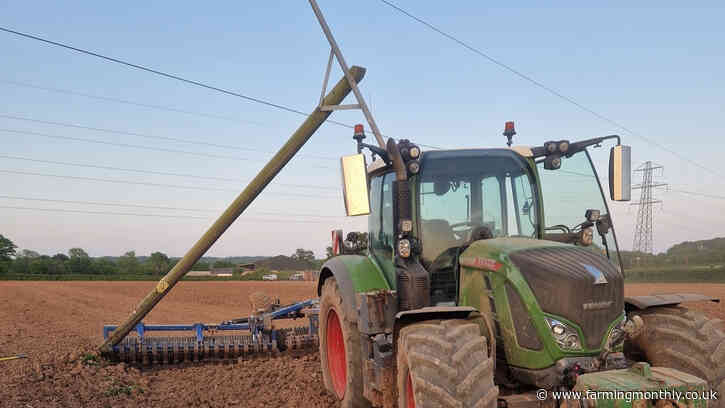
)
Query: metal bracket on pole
[{"x": 335, "y": 51}]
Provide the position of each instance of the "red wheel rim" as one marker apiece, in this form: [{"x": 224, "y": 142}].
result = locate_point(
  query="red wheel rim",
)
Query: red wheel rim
[
  {"x": 336, "y": 359},
  {"x": 409, "y": 396}
]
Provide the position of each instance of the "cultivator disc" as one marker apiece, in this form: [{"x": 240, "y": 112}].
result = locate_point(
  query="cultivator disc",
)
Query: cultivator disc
[
  {"x": 176, "y": 350},
  {"x": 252, "y": 337}
]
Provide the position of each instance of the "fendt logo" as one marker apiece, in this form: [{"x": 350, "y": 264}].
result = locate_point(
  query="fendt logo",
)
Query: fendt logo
[
  {"x": 598, "y": 275},
  {"x": 481, "y": 263}
]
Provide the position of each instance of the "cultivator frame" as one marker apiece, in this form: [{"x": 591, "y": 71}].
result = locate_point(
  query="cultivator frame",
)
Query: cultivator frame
[{"x": 255, "y": 336}]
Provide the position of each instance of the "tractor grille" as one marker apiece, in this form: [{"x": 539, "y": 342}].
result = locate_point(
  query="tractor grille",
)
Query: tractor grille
[
  {"x": 563, "y": 281},
  {"x": 526, "y": 335}
]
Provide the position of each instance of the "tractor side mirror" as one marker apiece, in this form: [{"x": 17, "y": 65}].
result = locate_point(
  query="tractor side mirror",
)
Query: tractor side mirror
[
  {"x": 620, "y": 173},
  {"x": 355, "y": 185}
]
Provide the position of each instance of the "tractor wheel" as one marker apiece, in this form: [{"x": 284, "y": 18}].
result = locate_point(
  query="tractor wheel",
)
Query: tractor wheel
[
  {"x": 685, "y": 340},
  {"x": 340, "y": 353},
  {"x": 444, "y": 363}
]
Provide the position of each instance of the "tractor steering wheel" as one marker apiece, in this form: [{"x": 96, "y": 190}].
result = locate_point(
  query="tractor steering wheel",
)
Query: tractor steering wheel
[{"x": 460, "y": 234}]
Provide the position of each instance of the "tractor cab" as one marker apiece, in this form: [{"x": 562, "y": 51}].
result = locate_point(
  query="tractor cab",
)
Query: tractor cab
[{"x": 452, "y": 198}]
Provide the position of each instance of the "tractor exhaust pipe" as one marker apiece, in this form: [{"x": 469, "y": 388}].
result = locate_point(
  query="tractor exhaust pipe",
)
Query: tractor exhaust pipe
[{"x": 235, "y": 209}]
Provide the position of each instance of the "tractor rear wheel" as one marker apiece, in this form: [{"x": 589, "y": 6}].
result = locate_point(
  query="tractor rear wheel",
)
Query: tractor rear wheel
[
  {"x": 340, "y": 354},
  {"x": 685, "y": 340},
  {"x": 444, "y": 363}
]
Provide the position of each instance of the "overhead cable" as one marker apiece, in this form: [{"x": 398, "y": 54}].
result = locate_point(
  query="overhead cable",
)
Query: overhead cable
[{"x": 549, "y": 89}]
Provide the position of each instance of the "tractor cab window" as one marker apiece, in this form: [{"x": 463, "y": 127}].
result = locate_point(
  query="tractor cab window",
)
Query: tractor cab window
[
  {"x": 468, "y": 194},
  {"x": 380, "y": 222},
  {"x": 387, "y": 236},
  {"x": 520, "y": 207},
  {"x": 568, "y": 193},
  {"x": 375, "y": 219},
  {"x": 492, "y": 211}
]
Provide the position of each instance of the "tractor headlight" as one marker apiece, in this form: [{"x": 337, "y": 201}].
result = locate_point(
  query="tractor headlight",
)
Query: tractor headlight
[
  {"x": 404, "y": 248},
  {"x": 414, "y": 166},
  {"x": 617, "y": 335},
  {"x": 586, "y": 236},
  {"x": 565, "y": 336},
  {"x": 563, "y": 146},
  {"x": 414, "y": 152}
]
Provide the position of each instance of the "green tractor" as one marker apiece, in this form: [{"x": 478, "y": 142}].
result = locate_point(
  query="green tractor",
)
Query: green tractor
[{"x": 492, "y": 278}]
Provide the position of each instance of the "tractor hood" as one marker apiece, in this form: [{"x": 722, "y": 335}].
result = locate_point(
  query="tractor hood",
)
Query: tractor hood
[{"x": 568, "y": 281}]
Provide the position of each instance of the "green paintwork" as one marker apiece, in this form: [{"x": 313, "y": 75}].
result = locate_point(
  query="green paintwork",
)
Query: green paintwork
[
  {"x": 641, "y": 378},
  {"x": 474, "y": 292},
  {"x": 365, "y": 274},
  {"x": 385, "y": 264},
  {"x": 510, "y": 245}
]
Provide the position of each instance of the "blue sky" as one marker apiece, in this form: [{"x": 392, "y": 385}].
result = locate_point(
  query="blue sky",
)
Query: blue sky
[{"x": 655, "y": 68}]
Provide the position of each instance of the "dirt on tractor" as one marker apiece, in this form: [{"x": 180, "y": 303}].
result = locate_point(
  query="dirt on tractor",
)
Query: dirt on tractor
[{"x": 58, "y": 325}]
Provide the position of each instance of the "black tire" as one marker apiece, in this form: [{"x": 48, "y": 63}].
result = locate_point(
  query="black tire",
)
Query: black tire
[
  {"x": 447, "y": 364},
  {"x": 351, "y": 395},
  {"x": 685, "y": 340}
]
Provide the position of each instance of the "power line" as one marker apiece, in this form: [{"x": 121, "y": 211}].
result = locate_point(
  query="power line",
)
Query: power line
[
  {"x": 161, "y": 173},
  {"x": 141, "y": 147},
  {"x": 63, "y": 210},
  {"x": 142, "y": 183},
  {"x": 713, "y": 196},
  {"x": 158, "y": 207},
  {"x": 147, "y": 136},
  {"x": 153, "y": 71},
  {"x": 127, "y": 102},
  {"x": 547, "y": 88},
  {"x": 175, "y": 77}
]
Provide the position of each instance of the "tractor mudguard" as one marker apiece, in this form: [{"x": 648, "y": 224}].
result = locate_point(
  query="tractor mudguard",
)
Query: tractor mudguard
[
  {"x": 354, "y": 274},
  {"x": 435, "y": 312},
  {"x": 665, "y": 299},
  {"x": 430, "y": 313}
]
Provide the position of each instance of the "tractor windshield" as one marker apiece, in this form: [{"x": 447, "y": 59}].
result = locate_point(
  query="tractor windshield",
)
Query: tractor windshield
[
  {"x": 474, "y": 193},
  {"x": 568, "y": 193}
]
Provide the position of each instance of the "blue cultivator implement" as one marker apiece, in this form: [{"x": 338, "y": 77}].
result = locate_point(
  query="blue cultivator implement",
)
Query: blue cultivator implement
[{"x": 239, "y": 338}]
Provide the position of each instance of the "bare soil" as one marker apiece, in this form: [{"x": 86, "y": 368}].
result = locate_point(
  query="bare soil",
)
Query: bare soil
[{"x": 58, "y": 325}]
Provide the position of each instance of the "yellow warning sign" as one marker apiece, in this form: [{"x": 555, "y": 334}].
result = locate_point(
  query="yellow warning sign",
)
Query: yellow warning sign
[{"x": 162, "y": 286}]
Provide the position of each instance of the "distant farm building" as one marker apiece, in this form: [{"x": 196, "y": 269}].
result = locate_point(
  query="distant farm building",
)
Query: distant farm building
[
  {"x": 198, "y": 273},
  {"x": 222, "y": 272},
  {"x": 215, "y": 272}
]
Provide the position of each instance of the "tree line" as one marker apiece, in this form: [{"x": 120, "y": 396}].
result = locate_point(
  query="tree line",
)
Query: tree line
[
  {"x": 77, "y": 261},
  {"x": 703, "y": 252}
]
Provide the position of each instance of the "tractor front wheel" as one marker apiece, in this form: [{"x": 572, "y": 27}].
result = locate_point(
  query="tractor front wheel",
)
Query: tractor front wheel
[
  {"x": 685, "y": 340},
  {"x": 340, "y": 349},
  {"x": 444, "y": 363}
]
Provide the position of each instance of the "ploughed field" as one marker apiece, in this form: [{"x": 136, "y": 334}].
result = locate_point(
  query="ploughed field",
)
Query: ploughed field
[{"x": 58, "y": 323}]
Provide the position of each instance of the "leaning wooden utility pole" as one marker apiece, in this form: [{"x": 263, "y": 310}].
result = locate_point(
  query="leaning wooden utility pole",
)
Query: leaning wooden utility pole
[{"x": 235, "y": 209}]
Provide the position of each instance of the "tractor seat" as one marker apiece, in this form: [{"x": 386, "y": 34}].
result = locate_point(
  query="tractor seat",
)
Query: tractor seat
[
  {"x": 437, "y": 238},
  {"x": 479, "y": 232}
]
